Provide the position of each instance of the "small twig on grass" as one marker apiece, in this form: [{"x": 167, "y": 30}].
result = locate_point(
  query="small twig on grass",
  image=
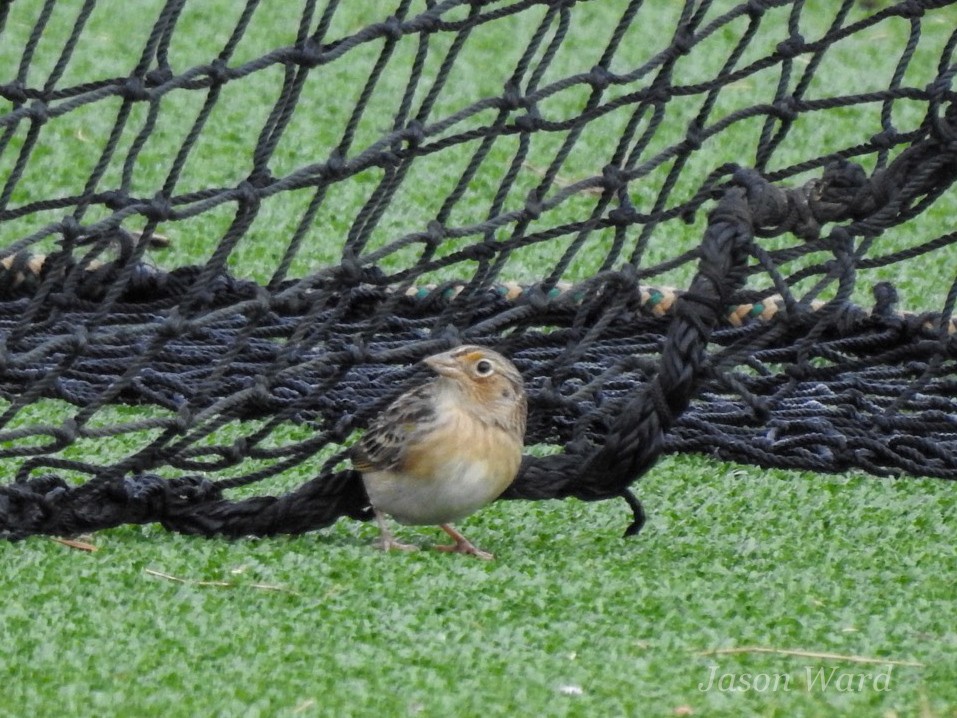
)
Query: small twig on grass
[
  {"x": 75, "y": 543},
  {"x": 219, "y": 584},
  {"x": 157, "y": 241},
  {"x": 808, "y": 654},
  {"x": 188, "y": 581}
]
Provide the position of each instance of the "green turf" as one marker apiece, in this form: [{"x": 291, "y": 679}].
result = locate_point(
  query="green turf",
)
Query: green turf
[{"x": 570, "y": 619}]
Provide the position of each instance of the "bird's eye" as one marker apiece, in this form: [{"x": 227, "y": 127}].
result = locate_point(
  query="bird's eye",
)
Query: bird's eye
[{"x": 483, "y": 367}]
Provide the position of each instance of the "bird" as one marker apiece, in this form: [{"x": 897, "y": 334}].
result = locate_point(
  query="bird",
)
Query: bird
[{"x": 447, "y": 447}]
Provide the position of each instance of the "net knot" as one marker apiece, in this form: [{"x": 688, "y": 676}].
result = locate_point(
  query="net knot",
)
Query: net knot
[
  {"x": 66, "y": 433},
  {"x": 217, "y": 72},
  {"x": 883, "y": 140},
  {"x": 143, "y": 487},
  {"x": 196, "y": 489},
  {"x": 427, "y": 23},
  {"x": 342, "y": 428},
  {"x": 260, "y": 177},
  {"x": 183, "y": 420},
  {"x": 845, "y": 189},
  {"x": 248, "y": 194},
  {"x": 38, "y": 112},
  {"x": 911, "y": 8},
  {"x": 885, "y": 299},
  {"x": 660, "y": 93},
  {"x": 413, "y": 134},
  {"x": 434, "y": 233},
  {"x": 115, "y": 199},
  {"x": 158, "y": 76},
  {"x": 623, "y": 216},
  {"x": 512, "y": 98},
  {"x": 763, "y": 197},
  {"x": 237, "y": 451},
  {"x": 386, "y": 160},
  {"x": 16, "y": 92},
  {"x": 627, "y": 279},
  {"x": 158, "y": 209},
  {"x": 785, "y": 108},
  {"x": 483, "y": 250},
  {"x": 134, "y": 89},
  {"x": 842, "y": 244},
  {"x": 614, "y": 178},
  {"x": 599, "y": 77},
  {"x": 49, "y": 485},
  {"x": 533, "y": 206},
  {"x": 349, "y": 272},
  {"x": 335, "y": 166},
  {"x": 529, "y": 122},
  {"x": 70, "y": 228},
  {"x": 693, "y": 138},
  {"x": 392, "y": 28},
  {"x": 309, "y": 54},
  {"x": 734, "y": 209},
  {"x": 844, "y": 174},
  {"x": 684, "y": 40},
  {"x": 757, "y": 8},
  {"x": 535, "y": 297},
  {"x": 792, "y": 47}
]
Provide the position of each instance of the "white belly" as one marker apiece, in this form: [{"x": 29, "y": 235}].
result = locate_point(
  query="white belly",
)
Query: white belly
[{"x": 457, "y": 490}]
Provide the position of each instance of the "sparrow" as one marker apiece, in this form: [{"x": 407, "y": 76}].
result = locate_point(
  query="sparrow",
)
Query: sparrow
[{"x": 444, "y": 449}]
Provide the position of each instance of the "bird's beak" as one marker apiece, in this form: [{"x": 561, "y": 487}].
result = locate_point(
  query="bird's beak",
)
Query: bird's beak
[{"x": 443, "y": 364}]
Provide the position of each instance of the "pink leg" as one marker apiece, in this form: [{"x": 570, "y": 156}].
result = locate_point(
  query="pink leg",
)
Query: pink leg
[
  {"x": 387, "y": 541},
  {"x": 462, "y": 544}
]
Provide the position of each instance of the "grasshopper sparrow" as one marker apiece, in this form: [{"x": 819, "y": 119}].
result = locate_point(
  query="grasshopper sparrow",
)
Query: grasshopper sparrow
[{"x": 445, "y": 449}]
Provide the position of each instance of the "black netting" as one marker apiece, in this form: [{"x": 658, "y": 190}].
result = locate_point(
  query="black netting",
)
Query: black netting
[{"x": 231, "y": 231}]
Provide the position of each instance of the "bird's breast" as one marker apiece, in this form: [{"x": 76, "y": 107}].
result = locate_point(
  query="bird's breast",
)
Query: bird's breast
[{"x": 461, "y": 466}]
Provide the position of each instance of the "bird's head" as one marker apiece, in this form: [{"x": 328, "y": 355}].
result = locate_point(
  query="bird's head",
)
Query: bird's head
[{"x": 485, "y": 377}]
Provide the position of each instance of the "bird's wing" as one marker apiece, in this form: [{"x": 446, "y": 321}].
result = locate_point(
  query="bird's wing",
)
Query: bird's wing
[{"x": 401, "y": 424}]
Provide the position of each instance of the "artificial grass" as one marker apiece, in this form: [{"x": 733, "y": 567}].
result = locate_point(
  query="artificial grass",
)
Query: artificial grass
[{"x": 570, "y": 619}]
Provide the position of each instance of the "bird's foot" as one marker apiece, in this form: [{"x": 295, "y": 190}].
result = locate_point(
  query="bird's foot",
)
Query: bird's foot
[
  {"x": 462, "y": 545},
  {"x": 466, "y": 547},
  {"x": 386, "y": 540},
  {"x": 390, "y": 544}
]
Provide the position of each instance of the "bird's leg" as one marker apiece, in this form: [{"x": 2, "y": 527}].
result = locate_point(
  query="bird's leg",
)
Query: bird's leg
[
  {"x": 462, "y": 544},
  {"x": 387, "y": 541}
]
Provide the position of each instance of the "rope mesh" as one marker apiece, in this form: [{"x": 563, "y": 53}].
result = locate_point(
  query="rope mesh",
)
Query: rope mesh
[{"x": 700, "y": 227}]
